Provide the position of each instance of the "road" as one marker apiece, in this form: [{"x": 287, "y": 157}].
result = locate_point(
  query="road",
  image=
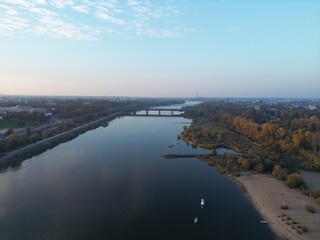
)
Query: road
[{"x": 56, "y": 137}]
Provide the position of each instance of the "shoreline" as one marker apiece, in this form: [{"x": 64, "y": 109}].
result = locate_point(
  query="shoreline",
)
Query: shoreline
[
  {"x": 17, "y": 156},
  {"x": 267, "y": 194}
]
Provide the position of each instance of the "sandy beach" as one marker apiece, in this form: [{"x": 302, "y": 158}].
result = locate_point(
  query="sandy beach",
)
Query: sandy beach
[{"x": 267, "y": 194}]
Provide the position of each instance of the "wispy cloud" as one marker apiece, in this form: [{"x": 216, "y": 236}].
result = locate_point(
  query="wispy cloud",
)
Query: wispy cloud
[
  {"x": 109, "y": 18},
  {"x": 62, "y": 3},
  {"x": 59, "y": 29},
  {"x": 81, "y": 8},
  {"x": 11, "y": 12},
  {"x": 9, "y": 24},
  {"x": 86, "y": 20}
]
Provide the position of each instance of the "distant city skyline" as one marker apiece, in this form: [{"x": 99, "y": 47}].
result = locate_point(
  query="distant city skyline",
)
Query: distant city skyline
[{"x": 169, "y": 48}]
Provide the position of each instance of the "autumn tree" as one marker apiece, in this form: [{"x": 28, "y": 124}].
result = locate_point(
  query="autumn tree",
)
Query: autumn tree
[
  {"x": 259, "y": 168},
  {"x": 279, "y": 173},
  {"x": 294, "y": 180},
  {"x": 316, "y": 142}
]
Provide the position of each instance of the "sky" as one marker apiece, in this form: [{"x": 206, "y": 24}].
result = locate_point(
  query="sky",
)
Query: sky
[{"x": 160, "y": 48}]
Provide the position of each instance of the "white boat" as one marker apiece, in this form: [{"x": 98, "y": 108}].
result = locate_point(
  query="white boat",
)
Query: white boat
[
  {"x": 195, "y": 220},
  {"x": 202, "y": 203},
  {"x": 264, "y": 221}
]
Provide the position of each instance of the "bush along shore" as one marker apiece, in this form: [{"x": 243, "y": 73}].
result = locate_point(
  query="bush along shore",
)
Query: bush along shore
[
  {"x": 250, "y": 156},
  {"x": 278, "y": 148}
]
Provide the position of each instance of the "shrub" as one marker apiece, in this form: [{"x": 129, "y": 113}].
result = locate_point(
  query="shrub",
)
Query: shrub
[
  {"x": 304, "y": 228},
  {"x": 259, "y": 168},
  {"x": 279, "y": 173},
  {"x": 245, "y": 164},
  {"x": 310, "y": 209},
  {"x": 294, "y": 180},
  {"x": 299, "y": 231},
  {"x": 284, "y": 207},
  {"x": 315, "y": 193}
]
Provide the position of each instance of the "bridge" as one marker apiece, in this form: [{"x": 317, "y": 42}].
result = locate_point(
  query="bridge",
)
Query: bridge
[{"x": 159, "y": 112}]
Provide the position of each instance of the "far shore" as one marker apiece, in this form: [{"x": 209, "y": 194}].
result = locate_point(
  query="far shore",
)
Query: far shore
[{"x": 267, "y": 194}]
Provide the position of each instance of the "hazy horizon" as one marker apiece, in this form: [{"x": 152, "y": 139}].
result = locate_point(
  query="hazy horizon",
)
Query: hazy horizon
[{"x": 222, "y": 48}]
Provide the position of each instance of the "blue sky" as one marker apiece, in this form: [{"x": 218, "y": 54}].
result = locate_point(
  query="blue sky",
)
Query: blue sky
[{"x": 167, "y": 48}]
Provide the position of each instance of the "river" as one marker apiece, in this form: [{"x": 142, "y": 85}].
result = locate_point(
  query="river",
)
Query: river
[{"x": 111, "y": 183}]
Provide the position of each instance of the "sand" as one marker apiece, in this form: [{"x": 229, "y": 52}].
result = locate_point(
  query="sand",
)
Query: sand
[{"x": 267, "y": 194}]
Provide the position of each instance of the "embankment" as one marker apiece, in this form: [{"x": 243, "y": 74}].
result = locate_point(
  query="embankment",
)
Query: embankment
[{"x": 15, "y": 157}]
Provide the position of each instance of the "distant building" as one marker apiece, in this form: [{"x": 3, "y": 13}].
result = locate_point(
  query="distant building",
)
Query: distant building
[
  {"x": 312, "y": 107},
  {"x": 28, "y": 109},
  {"x": 48, "y": 114},
  {"x": 257, "y": 107},
  {"x": 51, "y": 103}
]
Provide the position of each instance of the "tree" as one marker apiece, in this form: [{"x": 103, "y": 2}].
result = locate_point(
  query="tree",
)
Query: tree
[
  {"x": 9, "y": 131},
  {"x": 259, "y": 168},
  {"x": 12, "y": 141},
  {"x": 316, "y": 142},
  {"x": 245, "y": 164},
  {"x": 279, "y": 173},
  {"x": 294, "y": 180},
  {"x": 302, "y": 139},
  {"x": 44, "y": 134},
  {"x": 28, "y": 131}
]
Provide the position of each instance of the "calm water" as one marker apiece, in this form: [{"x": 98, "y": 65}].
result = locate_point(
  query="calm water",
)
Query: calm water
[{"x": 111, "y": 183}]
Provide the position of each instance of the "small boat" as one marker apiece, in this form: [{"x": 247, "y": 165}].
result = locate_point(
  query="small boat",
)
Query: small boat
[
  {"x": 202, "y": 203},
  {"x": 264, "y": 221},
  {"x": 195, "y": 220}
]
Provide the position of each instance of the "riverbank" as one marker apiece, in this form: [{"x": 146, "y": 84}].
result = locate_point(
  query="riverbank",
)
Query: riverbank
[
  {"x": 15, "y": 157},
  {"x": 267, "y": 194}
]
